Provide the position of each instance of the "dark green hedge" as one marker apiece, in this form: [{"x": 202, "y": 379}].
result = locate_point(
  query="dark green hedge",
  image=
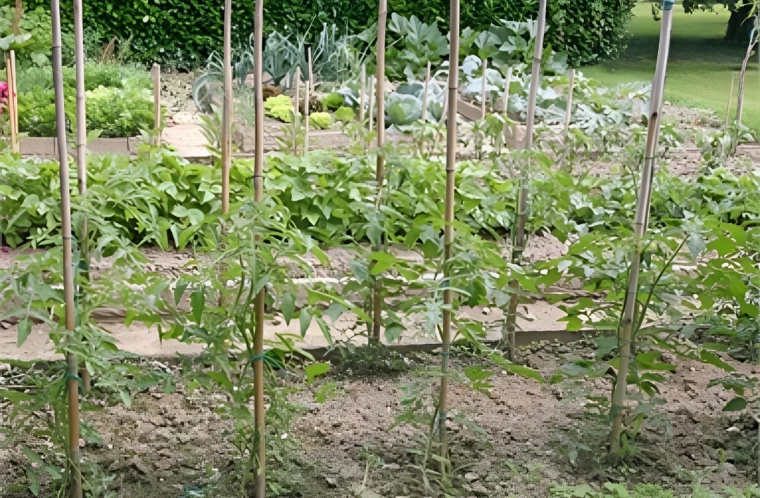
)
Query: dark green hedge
[{"x": 184, "y": 32}]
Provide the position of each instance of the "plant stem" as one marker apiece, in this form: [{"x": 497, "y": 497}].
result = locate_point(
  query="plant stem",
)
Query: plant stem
[
  {"x": 227, "y": 108},
  {"x": 382, "y": 16},
  {"x": 569, "y": 109},
  {"x": 640, "y": 225},
  {"x": 518, "y": 239},
  {"x": 68, "y": 270},
  {"x": 448, "y": 218},
  {"x": 742, "y": 78},
  {"x": 258, "y": 185}
]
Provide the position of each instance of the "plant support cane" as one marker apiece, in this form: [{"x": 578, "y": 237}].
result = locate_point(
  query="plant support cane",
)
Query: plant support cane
[
  {"x": 483, "y": 93},
  {"x": 518, "y": 238},
  {"x": 258, "y": 188},
  {"x": 569, "y": 109},
  {"x": 68, "y": 269},
  {"x": 382, "y": 17},
  {"x": 362, "y": 92},
  {"x": 423, "y": 115},
  {"x": 640, "y": 224},
  {"x": 448, "y": 233},
  {"x": 10, "y": 72},
  {"x": 227, "y": 108},
  {"x": 296, "y": 102},
  {"x": 156, "y": 72},
  {"x": 743, "y": 76}
]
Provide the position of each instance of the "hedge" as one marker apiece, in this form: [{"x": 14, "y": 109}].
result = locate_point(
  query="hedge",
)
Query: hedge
[{"x": 184, "y": 32}]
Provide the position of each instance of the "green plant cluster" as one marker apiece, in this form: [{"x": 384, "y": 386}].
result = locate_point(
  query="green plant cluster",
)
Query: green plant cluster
[
  {"x": 587, "y": 30},
  {"x": 34, "y": 38},
  {"x": 119, "y": 100}
]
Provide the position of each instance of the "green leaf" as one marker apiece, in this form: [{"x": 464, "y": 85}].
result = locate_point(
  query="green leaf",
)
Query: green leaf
[
  {"x": 305, "y": 321},
  {"x": 125, "y": 398},
  {"x": 24, "y": 329},
  {"x": 735, "y": 405},
  {"x": 197, "y": 303},
  {"x": 179, "y": 290},
  {"x": 32, "y": 456},
  {"x": 15, "y": 396},
  {"x": 287, "y": 306},
  {"x": 315, "y": 370}
]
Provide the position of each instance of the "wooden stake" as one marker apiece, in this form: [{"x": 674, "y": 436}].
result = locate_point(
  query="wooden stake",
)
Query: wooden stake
[
  {"x": 10, "y": 72},
  {"x": 258, "y": 187},
  {"x": 507, "y": 82},
  {"x": 156, "y": 72},
  {"x": 569, "y": 109},
  {"x": 306, "y": 113},
  {"x": 382, "y": 15},
  {"x": 311, "y": 70},
  {"x": 362, "y": 91},
  {"x": 730, "y": 98},
  {"x": 371, "y": 100},
  {"x": 68, "y": 267},
  {"x": 425, "y": 88},
  {"x": 483, "y": 90},
  {"x": 296, "y": 115},
  {"x": 640, "y": 226},
  {"x": 448, "y": 219},
  {"x": 518, "y": 239},
  {"x": 227, "y": 108}
]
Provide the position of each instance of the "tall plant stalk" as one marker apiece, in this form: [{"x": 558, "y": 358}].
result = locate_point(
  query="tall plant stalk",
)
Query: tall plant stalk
[
  {"x": 258, "y": 186},
  {"x": 730, "y": 99},
  {"x": 448, "y": 219},
  {"x": 68, "y": 267},
  {"x": 518, "y": 238},
  {"x": 743, "y": 74},
  {"x": 426, "y": 85},
  {"x": 227, "y": 108},
  {"x": 362, "y": 91},
  {"x": 382, "y": 16},
  {"x": 569, "y": 108},
  {"x": 483, "y": 108},
  {"x": 156, "y": 73},
  {"x": 640, "y": 225},
  {"x": 10, "y": 73},
  {"x": 296, "y": 104}
]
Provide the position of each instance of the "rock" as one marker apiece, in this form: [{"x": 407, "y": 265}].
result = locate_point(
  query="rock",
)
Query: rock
[
  {"x": 471, "y": 477},
  {"x": 479, "y": 489}
]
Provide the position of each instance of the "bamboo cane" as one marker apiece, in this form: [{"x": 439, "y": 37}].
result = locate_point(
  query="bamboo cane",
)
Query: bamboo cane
[
  {"x": 382, "y": 16},
  {"x": 371, "y": 100},
  {"x": 296, "y": 102},
  {"x": 156, "y": 73},
  {"x": 569, "y": 109},
  {"x": 518, "y": 240},
  {"x": 258, "y": 185},
  {"x": 448, "y": 219},
  {"x": 311, "y": 70},
  {"x": 10, "y": 71},
  {"x": 507, "y": 82},
  {"x": 68, "y": 267},
  {"x": 362, "y": 91},
  {"x": 742, "y": 78},
  {"x": 730, "y": 98},
  {"x": 227, "y": 108},
  {"x": 423, "y": 116},
  {"x": 640, "y": 226},
  {"x": 306, "y": 119},
  {"x": 483, "y": 90},
  {"x": 81, "y": 145}
]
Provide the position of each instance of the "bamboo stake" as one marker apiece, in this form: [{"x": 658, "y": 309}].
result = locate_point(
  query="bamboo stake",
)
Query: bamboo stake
[
  {"x": 448, "y": 219},
  {"x": 518, "y": 239},
  {"x": 640, "y": 225},
  {"x": 483, "y": 89},
  {"x": 382, "y": 16},
  {"x": 371, "y": 100},
  {"x": 306, "y": 120},
  {"x": 507, "y": 82},
  {"x": 258, "y": 186},
  {"x": 425, "y": 88},
  {"x": 10, "y": 71},
  {"x": 227, "y": 108},
  {"x": 156, "y": 73},
  {"x": 362, "y": 91},
  {"x": 81, "y": 145},
  {"x": 742, "y": 78},
  {"x": 68, "y": 267},
  {"x": 296, "y": 102},
  {"x": 569, "y": 109},
  {"x": 730, "y": 98}
]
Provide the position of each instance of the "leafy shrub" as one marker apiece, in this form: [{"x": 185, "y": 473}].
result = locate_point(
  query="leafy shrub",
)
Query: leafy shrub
[
  {"x": 279, "y": 107},
  {"x": 320, "y": 120},
  {"x": 588, "y": 29},
  {"x": 345, "y": 114},
  {"x": 32, "y": 44},
  {"x": 332, "y": 102}
]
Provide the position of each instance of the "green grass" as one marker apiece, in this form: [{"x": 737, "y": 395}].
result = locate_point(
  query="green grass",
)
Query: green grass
[{"x": 701, "y": 64}]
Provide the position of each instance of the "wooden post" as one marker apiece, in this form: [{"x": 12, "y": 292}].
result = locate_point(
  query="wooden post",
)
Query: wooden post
[
  {"x": 156, "y": 73},
  {"x": 448, "y": 233},
  {"x": 425, "y": 88},
  {"x": 362, "y": 90},
  {"x": 569, "y": 109},
  {"x": 10, "y": 72},
  {"x": 730, "y": 98},
  {"x": 258, "y": 188},
  {"x": 306, "y": 113},
  {"x": 296, "y": 115},
  {"x": 227, "y": 108},
  {"x": 68, "y": 266},
  {"x": 518, "y": 239},
  {"x": 640, "y": 225},
  {"x": 484, "y": 65},
  {"x": 377, "y": 319}
]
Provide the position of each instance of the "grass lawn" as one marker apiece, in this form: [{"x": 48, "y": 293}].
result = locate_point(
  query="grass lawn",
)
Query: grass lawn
[{"x": 701, "y": 63}]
